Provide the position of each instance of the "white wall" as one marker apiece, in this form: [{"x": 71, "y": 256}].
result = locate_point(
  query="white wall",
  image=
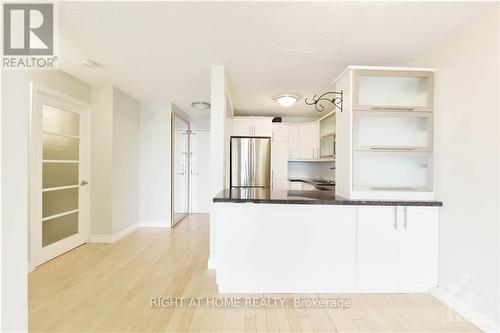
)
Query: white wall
[
  {"x": 155, "y": 196},
  {"x": 101, "y": 161},
  {"x": 126, "y": 113},
  {"x": 467, "y": 166},
  {"x": 200, "y": 122},
  {"x": 114, "y": 161},
  {"x": 14, "y": 201},
  {"x": 220, "y": 119}
]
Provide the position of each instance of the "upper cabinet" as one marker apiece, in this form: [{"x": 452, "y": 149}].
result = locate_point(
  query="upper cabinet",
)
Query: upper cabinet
[
  {"x": 382, "y": 130},
  {"x": 393, "y": 90},
  {"x": 252, "y": 126},
  {"x": 384, "y": 133},
  {"x": 280, "y": 132},
  {"x": 304, "y": 140}
]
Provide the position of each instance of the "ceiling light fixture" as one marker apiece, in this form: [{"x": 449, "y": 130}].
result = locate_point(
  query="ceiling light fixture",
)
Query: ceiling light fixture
[
  {"x": 336, "y": 100},
  {"x": 200, "y": 106},
  {"x": 286, "y": 100},
  {"x": 90, "y": 63}
]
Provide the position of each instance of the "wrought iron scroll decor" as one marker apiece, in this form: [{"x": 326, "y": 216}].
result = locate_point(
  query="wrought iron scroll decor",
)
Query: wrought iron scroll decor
[{"x": 318, "y": 101}]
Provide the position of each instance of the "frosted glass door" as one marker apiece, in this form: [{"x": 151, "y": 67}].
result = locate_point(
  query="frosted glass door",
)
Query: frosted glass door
[
  {"x": 387, "y": 171},
  {"x": 180, "y": 168},
  {"x": 392, "y": 130},
  {"x": 393, "y": 90},
  {"x": 59, "y": 196},
  {"x": 60, "y": 174}
]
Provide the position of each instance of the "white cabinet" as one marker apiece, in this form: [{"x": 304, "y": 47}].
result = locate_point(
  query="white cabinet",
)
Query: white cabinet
[
  {"x": 252, "y": 126},
  {"x": 418, "y": 247},
  {"x": 304, "y": 141},
  {"x": 377, "y": 247},
  {"x": 390, "y": 171},
  {"x": 390, "y": 89},
  {"x": 279, "y": 161},
  {"x": 280, "y": 132},
  {"x": 403, "y": 131},
  {"x": 397, "y": 248}
]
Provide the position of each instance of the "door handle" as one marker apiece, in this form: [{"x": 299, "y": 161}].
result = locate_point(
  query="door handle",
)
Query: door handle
[
  {"x": 83, "y": 183},
  {"x": 406, "y": 217},
  {"x": 396, "y": 217}
]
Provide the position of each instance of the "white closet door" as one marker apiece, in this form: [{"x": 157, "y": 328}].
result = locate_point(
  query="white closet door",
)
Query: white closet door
[{"x": 200, "y": 171}]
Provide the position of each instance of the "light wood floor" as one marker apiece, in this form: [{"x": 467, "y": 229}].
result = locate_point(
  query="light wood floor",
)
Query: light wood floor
[{"x": 108, "y": 288}]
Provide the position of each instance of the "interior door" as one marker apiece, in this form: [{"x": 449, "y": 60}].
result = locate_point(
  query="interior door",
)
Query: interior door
[
  {"x": 200, "y": 171},
  {"x": 59, "y": 194},
  {"x": 180, "y": 153}
]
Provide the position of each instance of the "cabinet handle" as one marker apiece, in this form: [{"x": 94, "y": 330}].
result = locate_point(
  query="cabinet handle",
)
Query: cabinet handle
[
  {"x": 391, "y": 148},
  {"x": 396, "y": 217},
  {"x": 406, "y": 218},
  {"x": 392, "y": 108}
]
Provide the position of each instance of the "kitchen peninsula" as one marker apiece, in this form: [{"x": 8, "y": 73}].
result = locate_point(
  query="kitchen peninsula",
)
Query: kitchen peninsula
[{"x": 271, "y": 241}]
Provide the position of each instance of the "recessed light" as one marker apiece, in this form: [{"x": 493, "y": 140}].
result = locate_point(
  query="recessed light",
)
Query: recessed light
[
  {"x": 200, "y": 106},
  {"x": 90, "y": 63},
  {"x": 286, "y": 100}
]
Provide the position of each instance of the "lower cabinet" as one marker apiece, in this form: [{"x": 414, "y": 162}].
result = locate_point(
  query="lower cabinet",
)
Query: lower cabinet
[{"x": 397, "y": 248}]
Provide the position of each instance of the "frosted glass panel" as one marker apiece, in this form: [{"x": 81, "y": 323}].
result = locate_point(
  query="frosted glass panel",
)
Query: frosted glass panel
[
  {"x": 60, "y": 148},
  {"x": 59, "y": 228},
  {"x": 60, "y": 201},
  {"x": 381, "y": 171},
  {"x": 60, "y": 121},
  {"x": 59, "y": 174},
  {"x": 393, "y": 91},
  {"x": 181, "y": 168},
  {"x": 387, "y": 131}
]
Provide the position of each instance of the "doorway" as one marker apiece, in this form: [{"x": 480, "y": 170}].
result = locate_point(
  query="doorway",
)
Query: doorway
[
  {"x": 59, "y": 170},
  {"x": 200, "y": 171},
  {"x": 180, "y": 154}
]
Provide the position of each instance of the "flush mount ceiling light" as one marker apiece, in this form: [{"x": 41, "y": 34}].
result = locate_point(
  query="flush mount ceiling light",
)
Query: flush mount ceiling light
[
  {"x": 90, "y": 63},
  {"x": 286, "y": 100},
  {"x": 200, "y": 106}
]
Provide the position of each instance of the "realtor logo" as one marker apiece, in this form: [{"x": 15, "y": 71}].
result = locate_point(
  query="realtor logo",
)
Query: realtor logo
[
  {"x": 28, "y": 36},
  {"x": 28, "y": 29}
]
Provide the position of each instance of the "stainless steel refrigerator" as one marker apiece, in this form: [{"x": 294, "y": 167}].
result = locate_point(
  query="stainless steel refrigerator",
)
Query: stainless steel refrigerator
[{"x": 250, "y": 162}]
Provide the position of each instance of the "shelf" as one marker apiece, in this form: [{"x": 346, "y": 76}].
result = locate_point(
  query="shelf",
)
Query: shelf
[
  {"x": 323, "y": 159},
  {"x": 327, "y": 135}
]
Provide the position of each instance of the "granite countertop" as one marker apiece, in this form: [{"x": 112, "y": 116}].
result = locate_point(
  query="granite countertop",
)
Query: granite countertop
[{"x": 313, "y": 197}]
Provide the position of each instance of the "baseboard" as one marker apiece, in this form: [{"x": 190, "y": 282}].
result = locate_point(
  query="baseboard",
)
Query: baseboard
[
  {"x": 211, "y": 264},
  {"x": 155, "y": 224},
  {"x": 482, "y": 321},
  {"x": 113, "y": 238}
]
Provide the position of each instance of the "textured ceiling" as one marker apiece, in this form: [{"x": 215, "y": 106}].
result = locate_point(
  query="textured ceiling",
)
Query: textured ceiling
[{"x": 158, "y": 51}]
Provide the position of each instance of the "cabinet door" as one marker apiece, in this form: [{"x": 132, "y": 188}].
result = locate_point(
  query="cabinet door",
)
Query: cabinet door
[
  {"x": 242, "y": 126},
  {"x": 293, "y": 141},
  {"x": 400, "y": 90},
  {"x": 279, "y": 160},
  {"x": 280, "y": 132},
  {"x": 295, "y": 186},
  {"x": 280, "y": 184},
  {"x": 392, "y": 171},
  {"x": 418, "y": 248},
  {"x": 377, "y": 247},
  {"x": 262, "y": 127},
  {"x": 309, "y": 139},
  {"x": 404, "y": 131}
]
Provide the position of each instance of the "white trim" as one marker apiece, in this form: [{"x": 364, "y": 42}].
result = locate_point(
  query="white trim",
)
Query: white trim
[
  {"x": 212, "y": 263},
  {"x": 50, "y": 217},
  {"x": 155, "y": 224},
  {"x": 67, "y": 187},
  {"x": 60, "y": 95},
  {"x": 481, "y": 320},
  {"x": 115, "y": 237},
  {"x": 382, "y": 68},
  {"x": 31, "y": 267}
]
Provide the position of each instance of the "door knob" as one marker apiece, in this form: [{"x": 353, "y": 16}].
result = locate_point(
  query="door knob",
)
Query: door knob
[{"x": 83, "y": 183}]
